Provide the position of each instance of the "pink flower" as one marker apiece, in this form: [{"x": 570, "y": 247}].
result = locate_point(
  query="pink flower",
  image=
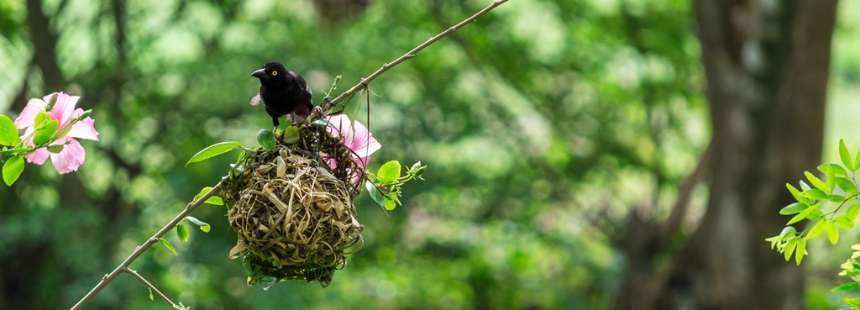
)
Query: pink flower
[
  {"x": 64, "y": 112},
  {"x": 354, "y": 136}
]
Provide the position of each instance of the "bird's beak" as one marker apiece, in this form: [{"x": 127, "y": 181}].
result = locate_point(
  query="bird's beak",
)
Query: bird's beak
[{"x": 259, "y": 73}]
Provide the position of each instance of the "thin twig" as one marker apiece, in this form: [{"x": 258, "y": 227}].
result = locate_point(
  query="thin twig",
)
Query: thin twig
[
  {"x": 363, "y": 84},
  {"x": 151, "y": 286},
  {"x": 143, "y": 247}
]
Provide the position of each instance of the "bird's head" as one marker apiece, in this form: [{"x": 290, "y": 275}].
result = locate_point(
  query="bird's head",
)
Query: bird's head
[{"x": 273, "y": 73}]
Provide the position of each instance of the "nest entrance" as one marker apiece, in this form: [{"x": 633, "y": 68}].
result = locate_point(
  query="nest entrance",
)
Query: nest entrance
[{"x": 292, "y": 212}]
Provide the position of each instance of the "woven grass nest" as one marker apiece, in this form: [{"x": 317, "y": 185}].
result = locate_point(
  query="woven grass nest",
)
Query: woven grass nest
[{"x": 293, "y": 213}]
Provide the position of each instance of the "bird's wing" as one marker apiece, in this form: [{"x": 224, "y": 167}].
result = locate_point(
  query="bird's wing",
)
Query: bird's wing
[
  {"x": 255, "y": 100},
  {"x": 302, "y": 84}
]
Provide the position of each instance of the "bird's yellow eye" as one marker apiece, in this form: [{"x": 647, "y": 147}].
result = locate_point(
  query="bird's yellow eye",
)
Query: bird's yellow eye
[{"x": 274, "y": 73}]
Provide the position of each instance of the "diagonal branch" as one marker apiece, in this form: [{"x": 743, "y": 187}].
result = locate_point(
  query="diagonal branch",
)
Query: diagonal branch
[
  {"x": 330, "y": 103},
  {"x": 145, "y": 246}
]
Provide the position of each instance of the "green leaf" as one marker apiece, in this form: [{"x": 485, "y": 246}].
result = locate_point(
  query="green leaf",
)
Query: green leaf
[
  {"x": 374, "y": 193},
  {"x": 800, "y": 252},
  {"x": 390, "y": 203},
  {"x": 802, "y": 215},
  {"x": 846, "y": 185},
  {"x": 796, "y": 193},
  {"x": 12, "y": 169},
  {"x": 789, "y": 249},
  {"x": 201, "y": 224},
  {"x": 182, "y": 232},
  {"x": 816, "y": 194},
  {"x": 41, "y": 118},
  {"x": 845, "y": 155},
  {"x": 8, "y": 132},
  {"x": 816, "y": 229},
  {"x": 833, "y": 169},
  {"x": 212, "y": 200},
  {"x": 266, "y": 139},
  {"x": 213, "y": 150},
  {"x": 389, "y": 172},
  {"x": 816, "y": 181},
  {"x": 168, "y": 245},
  {"x": 844, "y": 221},
  {"x": 845, "y": 287},
  {"x": 793, "y": 208},
  {"x": 832, "y": 233},
  {"x": 45, "y": 132},
  {"x": 852, "y": 212},
  {"x": 291, "y": 135}
]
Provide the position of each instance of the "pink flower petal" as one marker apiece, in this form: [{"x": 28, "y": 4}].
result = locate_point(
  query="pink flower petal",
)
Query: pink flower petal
[
  {"x": 363, "y": 142},
  {"x": 70, "y": 158},
  {"x": 38, "y": 156},
  {"x": 339, "y": 125},
  {"x": 28, "y": 115},
  {"x": 63, "y": 108},
  {"x": 84, "y": 129}
]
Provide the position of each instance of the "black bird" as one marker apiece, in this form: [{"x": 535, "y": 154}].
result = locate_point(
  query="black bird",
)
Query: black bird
[{"x": 282, "y": 91}]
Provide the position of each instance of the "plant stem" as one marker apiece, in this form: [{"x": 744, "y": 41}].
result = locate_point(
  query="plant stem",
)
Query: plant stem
[
  {"x": 328, "y": 104},
  {"x": 151, "y": 286},
  {"x": 145, "y": 246}
]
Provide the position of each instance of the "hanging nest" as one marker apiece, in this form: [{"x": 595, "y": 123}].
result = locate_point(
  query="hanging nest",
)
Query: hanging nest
[{"x": 292, "y": 212}]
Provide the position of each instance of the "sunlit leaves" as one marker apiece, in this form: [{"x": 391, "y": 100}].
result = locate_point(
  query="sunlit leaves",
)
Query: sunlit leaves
[
  {"x": 213, "y": 150},
  {"x": 8, "y": 132},
  {"x": 816, "y": 182},
  {"x": 12, "y": 170},
  {"x": 389, "y": 172},
  {"x": 828, "y": 205}
]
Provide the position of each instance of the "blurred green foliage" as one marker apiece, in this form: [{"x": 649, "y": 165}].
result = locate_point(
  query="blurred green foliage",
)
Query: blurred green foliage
[{"x": 543, "y": 124}]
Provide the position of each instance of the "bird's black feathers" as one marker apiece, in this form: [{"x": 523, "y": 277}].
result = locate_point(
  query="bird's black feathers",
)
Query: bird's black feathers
[{"x": 283, "y": 91}]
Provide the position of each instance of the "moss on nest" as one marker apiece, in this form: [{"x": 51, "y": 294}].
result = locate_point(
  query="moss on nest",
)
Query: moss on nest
[{"x": 293, "y": 214}]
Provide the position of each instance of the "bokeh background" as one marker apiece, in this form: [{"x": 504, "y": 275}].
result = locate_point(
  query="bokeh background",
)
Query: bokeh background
[{"x": 557, "y": 133}]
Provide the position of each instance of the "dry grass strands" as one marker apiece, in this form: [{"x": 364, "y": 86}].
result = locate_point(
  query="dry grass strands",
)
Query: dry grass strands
[{"x": 293, "y": 214}]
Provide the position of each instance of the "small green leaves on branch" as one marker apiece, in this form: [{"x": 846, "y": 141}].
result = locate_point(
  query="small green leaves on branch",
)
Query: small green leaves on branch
[
  {"x": 214, "y": 150},
  {"x": 385, "y": 186},
  {"x": 213, "y": 200},
  {"x": 828, "y": 204}
]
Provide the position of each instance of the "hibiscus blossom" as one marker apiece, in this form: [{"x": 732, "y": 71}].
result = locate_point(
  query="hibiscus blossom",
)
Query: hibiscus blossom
[
  {"x": 67, "y": 153},
  {"x": 354, "y": 136}
]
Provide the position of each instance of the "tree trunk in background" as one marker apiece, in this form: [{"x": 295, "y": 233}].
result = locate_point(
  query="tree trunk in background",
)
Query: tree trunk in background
[{"x": 767, "y": 66}]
